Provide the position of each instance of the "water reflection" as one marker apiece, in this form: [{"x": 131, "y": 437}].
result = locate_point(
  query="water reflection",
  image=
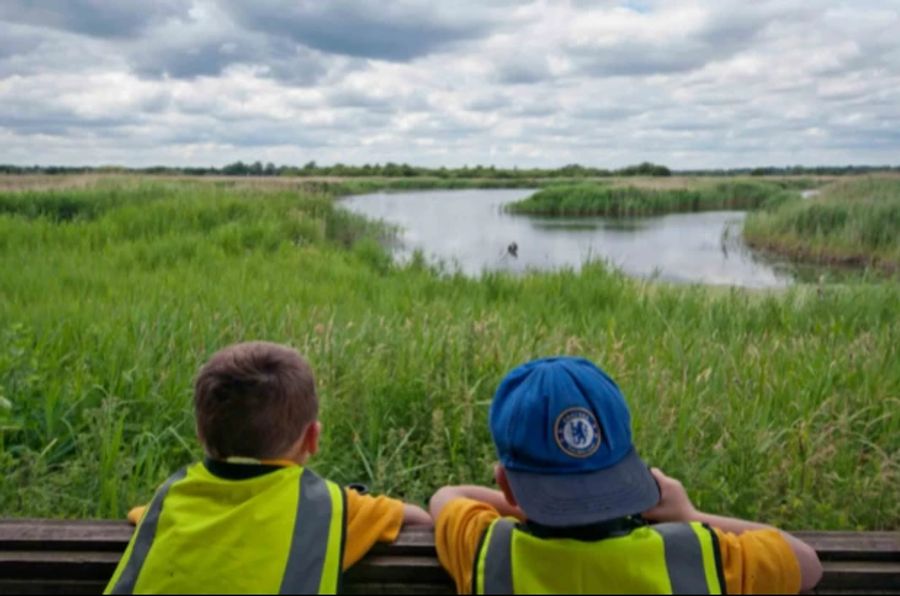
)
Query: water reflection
[
  {"x": 469, "y": 229},
  {"x": 568, "y": 225}
]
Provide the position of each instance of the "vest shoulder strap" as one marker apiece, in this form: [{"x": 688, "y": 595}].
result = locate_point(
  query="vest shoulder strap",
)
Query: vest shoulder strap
[
  {"x": 317, "y": 545},
  {"x": 146, "y": 533},
  {"x": 692, "y": 558},
  {"x": 493, "y": 564}
]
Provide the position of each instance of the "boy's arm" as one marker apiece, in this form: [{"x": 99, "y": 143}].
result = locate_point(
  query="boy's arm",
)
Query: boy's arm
[
  {"x": 462, "y": 514},
  {"x": 675, "y": 505},
  {"x": 494, "y": 498},
  {"x": 373, "y": 519}
]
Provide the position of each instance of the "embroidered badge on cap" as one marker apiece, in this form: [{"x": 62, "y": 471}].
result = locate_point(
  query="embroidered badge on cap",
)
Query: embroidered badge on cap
[{"x": 577, "y": 432}]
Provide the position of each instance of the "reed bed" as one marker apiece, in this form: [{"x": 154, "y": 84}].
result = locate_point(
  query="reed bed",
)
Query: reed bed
[
  {"x": 615, "y": 200},
  {"x": 852, "y": 222}
]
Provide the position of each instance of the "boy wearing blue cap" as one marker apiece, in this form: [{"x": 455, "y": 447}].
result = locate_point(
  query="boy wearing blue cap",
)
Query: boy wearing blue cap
[{"x": 580, "y": 512}]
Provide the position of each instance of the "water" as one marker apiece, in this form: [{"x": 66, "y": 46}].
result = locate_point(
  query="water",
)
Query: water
[{"x": 469, "y": 229}]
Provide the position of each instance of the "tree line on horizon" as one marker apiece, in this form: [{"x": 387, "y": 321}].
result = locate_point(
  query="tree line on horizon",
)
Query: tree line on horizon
[{"x": 404, "y": 170}]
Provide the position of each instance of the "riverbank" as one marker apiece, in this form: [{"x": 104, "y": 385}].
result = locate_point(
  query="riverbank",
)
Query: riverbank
[
  {"x": 622, "y": 201},
  {"x": 850, "y": 223},
  {"x": 111, "y": 296}
]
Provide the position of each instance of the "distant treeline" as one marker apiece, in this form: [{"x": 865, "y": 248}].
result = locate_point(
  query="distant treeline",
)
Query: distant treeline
[
  {"x": 391, "y": 170},
  {"x": 403, "y": 170}
]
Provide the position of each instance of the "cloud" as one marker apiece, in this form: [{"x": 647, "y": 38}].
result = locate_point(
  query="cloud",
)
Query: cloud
[
  {"x": 522, "y": 71},
  {"x": 678, "y": 37},
  {"x": 15, "y": 43},
  {"x": 398, "y": 31},
  {"x": 100, "y": 18},
  {"x": 183, "y": 58},
  {"x": 690, "y": 84}
]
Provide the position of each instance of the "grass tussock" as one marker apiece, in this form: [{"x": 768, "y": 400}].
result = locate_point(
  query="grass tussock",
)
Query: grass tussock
[
  {"x": 852, "y": 222},
  {"x": 776, "y": 406},
  {"x": 594, "y": 199}
]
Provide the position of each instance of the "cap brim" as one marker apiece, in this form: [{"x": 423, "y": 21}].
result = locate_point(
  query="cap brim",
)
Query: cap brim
[{"x": 560, "y": 500}]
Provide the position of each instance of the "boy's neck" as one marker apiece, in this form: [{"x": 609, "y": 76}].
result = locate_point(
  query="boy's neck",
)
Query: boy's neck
[
  {"x": 591, "y": 532},
  {"x": 243, "y": 469},
  {"x": 251, "y": 461}
]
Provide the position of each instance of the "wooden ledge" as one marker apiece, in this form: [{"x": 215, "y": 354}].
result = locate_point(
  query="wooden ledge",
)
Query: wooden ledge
[{"x": 78, "y": 557}]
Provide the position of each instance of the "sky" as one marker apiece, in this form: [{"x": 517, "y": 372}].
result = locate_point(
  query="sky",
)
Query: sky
[{"x": 689, "y": 84}]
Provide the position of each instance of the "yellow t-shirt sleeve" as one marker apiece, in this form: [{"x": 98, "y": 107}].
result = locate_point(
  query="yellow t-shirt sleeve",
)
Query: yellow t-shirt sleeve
[
  {"x": 369, "y": 520},
  {"x": 758, "y": 562},
  {"x": 457, "y": 535}
]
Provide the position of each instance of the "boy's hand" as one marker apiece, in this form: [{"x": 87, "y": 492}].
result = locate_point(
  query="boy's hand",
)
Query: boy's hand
[
  {"x": 413, "y": 515},
  {"x": 674, "y": 504}
]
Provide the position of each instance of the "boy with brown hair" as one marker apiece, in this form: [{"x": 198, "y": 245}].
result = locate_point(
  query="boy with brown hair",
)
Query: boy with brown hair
[
  {"x": 252, "y": 517},
  {"x": 584, "y": 514}
]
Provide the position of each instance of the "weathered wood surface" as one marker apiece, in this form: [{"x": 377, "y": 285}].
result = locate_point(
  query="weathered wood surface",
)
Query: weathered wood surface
[{"x": 77, "y": 557}]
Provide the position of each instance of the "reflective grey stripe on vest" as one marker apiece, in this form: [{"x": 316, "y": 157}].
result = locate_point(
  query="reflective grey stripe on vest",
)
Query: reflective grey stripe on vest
[
  {"x": 309, "y": 544},
  {"x": 144, "y": 539},
  {"x": 684, "y": 558},
  {"x": 498, "y": 559}
]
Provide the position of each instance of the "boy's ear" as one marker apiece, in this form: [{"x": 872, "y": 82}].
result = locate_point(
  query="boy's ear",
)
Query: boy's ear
[
  {"x": 311, "y": 438},
  {"x": 503, "y": 483}
]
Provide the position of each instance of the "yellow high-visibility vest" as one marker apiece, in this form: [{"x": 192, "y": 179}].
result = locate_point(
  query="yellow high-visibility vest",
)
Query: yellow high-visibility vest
[
  {"x": 670, "y": 558},
  {"x": 279, "y": 532}
]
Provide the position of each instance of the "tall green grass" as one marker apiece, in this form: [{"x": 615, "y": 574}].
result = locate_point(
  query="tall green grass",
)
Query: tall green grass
[
  {"x": 854, "y": 222},
  {"x": 596, "y": 199},
  {"x": 781, "y": 407}
]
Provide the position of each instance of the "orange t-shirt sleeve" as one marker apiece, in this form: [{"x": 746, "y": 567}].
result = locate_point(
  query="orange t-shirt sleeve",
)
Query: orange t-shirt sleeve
[
  {"x": 369, "y": 520},
  {"x": 758, "y": 562},
  {"x": 457, "y": 535},
  {"x": 134, "y": 516}
]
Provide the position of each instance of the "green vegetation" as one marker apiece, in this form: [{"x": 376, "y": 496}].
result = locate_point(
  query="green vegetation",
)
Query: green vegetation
[
  {"x": 780, "y": 406},
  {"x": 377, "y": 170},
  {"x": 853, "y": 222},
  {"x": 596, "y": 199}
]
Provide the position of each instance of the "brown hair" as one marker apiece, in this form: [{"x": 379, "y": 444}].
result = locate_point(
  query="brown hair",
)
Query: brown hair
[{"x": 254, "y": 399}]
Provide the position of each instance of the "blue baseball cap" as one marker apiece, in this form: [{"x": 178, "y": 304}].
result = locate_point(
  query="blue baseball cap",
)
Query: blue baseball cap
[{"x": 563, "y": 434}]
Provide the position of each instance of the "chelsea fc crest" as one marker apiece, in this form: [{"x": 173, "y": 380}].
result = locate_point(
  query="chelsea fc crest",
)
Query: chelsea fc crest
[{"x": 577, "y": 432}]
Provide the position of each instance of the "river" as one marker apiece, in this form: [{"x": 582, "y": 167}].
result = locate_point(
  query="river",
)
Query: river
[{"x": 470, "y": 230}]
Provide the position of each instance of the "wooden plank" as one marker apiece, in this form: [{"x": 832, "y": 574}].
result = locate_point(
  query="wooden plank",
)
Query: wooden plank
[
  {"x": 64, "y": 534},
  {"x": 397, "y": 588},
  {"x": 375, "y": 569},
  {"x": 86, "y": 588},
  {"x": 112, "y": 535},
  {"x": 380, "y": 569},
  {"x": 60, "y": 556},
  {"x": 82, "y": 565},
  {"x": 860, "y": 546},
  {"x": 94, "y": 534},
  {"x": 859, "y": 575},
  {"x": 50, "y": 586},
  {"x": 849, "y": 592},
  {"x": 54, "y": 587},
  {"x": 94, "y": 565}
]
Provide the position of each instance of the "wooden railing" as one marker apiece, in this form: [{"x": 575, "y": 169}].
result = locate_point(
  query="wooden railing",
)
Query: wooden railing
[{"x": 78, "y": 557}]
